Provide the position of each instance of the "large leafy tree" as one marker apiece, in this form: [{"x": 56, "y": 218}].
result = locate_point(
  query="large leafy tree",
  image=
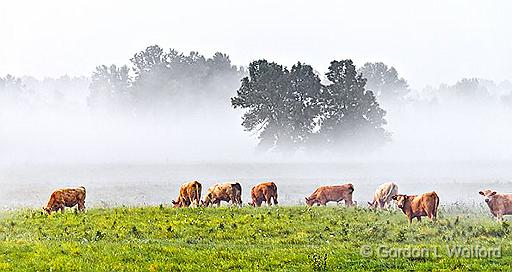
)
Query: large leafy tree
[
  {"x": 351, "y": 113},
  {"x": 281, "y": 104},
  {"x": 162, "y": 78},
  {"x": 109, "y": 86},
  {"x": 384, "y": 81}
]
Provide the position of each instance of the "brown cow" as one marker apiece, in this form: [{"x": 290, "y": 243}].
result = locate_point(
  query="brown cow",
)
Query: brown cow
[
  {"x": 230, "y": 191},
  {"x": 265, "y": 191},
  {"x": 418, "y": 205},
  {"x": 336, "y": 193},
  {"x": 190, "y": 192},
  {"x": 66, "y": 197},
  {"x": 499, "y": 204},
  {"x": 383, "y": 195}
]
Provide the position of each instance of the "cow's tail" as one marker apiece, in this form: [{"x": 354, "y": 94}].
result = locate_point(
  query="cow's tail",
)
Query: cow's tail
[
  {"x": 274, "y": 187},
  {"x": 436, "y": 206},
  {"x": 238, "y": 193},
  {"x": 83, "y": 188},
  {"x": 390, "y": 192},
  {"x": 198, "y": 193}
]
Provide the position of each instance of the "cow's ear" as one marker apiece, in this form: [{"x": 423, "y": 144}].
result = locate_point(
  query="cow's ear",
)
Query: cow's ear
[
  {"x": 393, "y": 197},
  {"x": 173, "y": 202},
  {"x": 482, "y": 193},
  {"x": 307, "y": 199},
  {"x": 493, "y": 193}
]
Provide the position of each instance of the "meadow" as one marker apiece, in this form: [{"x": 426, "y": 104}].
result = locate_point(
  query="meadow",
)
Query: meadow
[{"x": 287, "y": 238}]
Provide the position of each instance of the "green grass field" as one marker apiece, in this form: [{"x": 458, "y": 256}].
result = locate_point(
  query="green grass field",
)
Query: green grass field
[{"x": 250, "y": 239}]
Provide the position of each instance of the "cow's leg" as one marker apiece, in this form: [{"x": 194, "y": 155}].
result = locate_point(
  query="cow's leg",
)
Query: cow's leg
[
  {"x": 410, "y": 219},
  {"x": 81, "y": 206},
  {"x": 419, "y": 218},
  {"x": 268, "y": 199},
  {"x": 61, "y": 209}
]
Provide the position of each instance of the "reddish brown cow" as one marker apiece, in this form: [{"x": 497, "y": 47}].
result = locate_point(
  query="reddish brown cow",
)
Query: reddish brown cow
[
  {"x": 229, "y": 192},
  {"x": 499, "y": 204},
  {"x": 418, "y": 205},
  {"x": 336, "y": 193},
  {"x": 190, "y": 192},
  {"x": 66, "y": 197},
  {"x": 265, "y": 191}
]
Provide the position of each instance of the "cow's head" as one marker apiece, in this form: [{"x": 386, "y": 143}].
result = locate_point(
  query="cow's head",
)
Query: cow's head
[
  {"x": 310, "y": 201},
  {"x": 399, "y": 200},
  {"x": 488, "y": 194},
  {"x": 206, "y": 202},
  {"x": 47, "y": 210}
]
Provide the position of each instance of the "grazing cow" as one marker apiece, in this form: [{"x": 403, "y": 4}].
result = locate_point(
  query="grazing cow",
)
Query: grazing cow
[
  {"x": 67, "y": 197},
  {"x": 265, "y": 191},
  {"x": 230, "y": 191},
  {"x": 499, "y": 204},
  {"x": 336, "y": 193},
  {"x": 418, "y": 205},
  {"x": 190, "y": 192},
  {"x": 383, "y": 195}
]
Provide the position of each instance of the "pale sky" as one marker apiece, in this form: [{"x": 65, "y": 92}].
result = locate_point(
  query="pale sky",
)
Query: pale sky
[{"x": 427, "y": 41}]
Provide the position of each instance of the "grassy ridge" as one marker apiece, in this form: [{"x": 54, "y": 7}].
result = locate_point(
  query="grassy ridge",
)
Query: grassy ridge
[{"x": 273, "y": 239}]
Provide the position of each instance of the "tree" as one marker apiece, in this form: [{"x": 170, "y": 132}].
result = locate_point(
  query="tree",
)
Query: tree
[
  {"x": 10, "y": 85},
  {"x": 281, "y": 104},
  {"x": 12, "y": 90},
  {"x": 350, "y": 113},
  {"x": 164, "y": 79},
  {"x": 470, "y": 88},
  {"x": 384, "y": 81},
  {"x": 109, "y": 86}
]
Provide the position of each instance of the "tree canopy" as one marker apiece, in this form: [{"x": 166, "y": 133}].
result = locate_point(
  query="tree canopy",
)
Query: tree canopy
[
  {"x": 290, "y": 109},
  {"x": 384, "y": 81}
]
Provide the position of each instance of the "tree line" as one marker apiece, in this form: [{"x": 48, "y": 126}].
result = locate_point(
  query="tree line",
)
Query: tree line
[{"x": 288, "y": 108}]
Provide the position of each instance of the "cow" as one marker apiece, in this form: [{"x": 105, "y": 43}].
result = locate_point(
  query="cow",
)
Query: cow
[
  {"x": 383, "y": 195},
  {"x": 337, "y": 193},
  {"x": 265, "y": 191},
  {"x": 499, "y": 204},
  {"x": 416, "y": 206},
  {"x": 229, "y": 192},
  {"x": 190, "y": 193},
  {"x": 66, "y": 197}
]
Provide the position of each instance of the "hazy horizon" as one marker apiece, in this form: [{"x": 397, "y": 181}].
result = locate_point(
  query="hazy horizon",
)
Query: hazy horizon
[{"x": 429, "y": 43}]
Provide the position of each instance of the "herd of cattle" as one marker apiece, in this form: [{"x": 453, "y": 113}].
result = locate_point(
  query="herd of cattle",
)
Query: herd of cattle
[{"x": 413, "y": 206}]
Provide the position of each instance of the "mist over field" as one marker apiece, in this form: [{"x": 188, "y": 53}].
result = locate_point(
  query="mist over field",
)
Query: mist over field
[
  {"x": 52, "y": 123},
  {"x": 52, "y": 137},
  {"x": 379, "y": 94}
]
